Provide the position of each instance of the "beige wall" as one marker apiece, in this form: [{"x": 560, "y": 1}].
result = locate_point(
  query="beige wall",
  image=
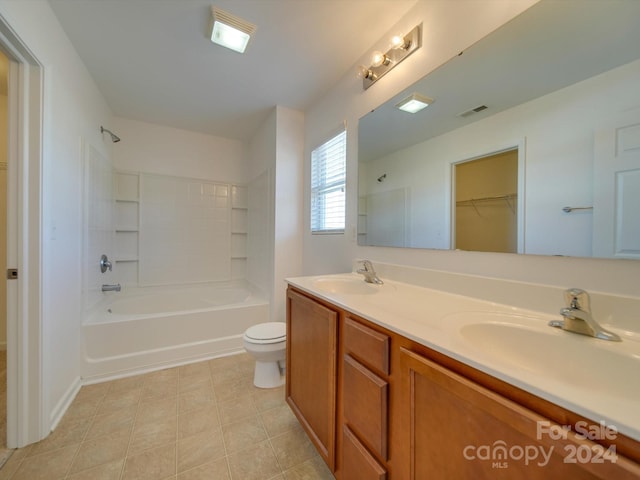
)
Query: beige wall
[{"x": 486, "y": 225}]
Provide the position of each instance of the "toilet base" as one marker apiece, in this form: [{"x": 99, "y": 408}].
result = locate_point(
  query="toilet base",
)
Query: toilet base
[{"x": 268, "y": 375}]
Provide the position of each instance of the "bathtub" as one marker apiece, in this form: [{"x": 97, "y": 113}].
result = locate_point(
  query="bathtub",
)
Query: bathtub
[{"x": 148, "y": 328}]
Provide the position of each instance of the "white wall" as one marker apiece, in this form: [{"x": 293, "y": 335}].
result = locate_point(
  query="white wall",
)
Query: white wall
[
  {"x": 260, "y": 238},
  {"x": 275, "y": 212},
  {"x": 449, "y": 27},
  {"x": 288, "y": 209},
  {"x": 150, "y": 148},
  {"x": 74, "y": 109}
]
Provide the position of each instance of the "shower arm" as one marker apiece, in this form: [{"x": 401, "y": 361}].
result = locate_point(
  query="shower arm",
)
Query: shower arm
[{"x": 114, "y": 137}]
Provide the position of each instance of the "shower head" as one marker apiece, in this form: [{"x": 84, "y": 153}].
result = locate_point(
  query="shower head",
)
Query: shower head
[{"x": 114, "y": 137}]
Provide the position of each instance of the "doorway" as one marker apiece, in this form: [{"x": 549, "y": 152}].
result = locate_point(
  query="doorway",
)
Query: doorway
[
  {"x": 25, "y": 405},
  {"x": 4, "y": 102},
  {"x": 486, "y": 203}
]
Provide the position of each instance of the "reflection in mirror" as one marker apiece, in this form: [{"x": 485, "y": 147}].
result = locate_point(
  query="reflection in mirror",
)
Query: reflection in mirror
[
  {"x": 558, "y": 82},
  {"x": 486, "y": 210}
]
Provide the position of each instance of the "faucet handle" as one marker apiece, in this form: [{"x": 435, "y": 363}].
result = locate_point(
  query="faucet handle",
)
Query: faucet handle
[
  {"x": 578, "y": 299},
  {"x": 105, "y": 264}
]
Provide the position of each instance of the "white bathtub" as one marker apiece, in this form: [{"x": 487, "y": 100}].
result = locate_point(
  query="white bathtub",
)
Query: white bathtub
[{"x": 146, "y": 328}]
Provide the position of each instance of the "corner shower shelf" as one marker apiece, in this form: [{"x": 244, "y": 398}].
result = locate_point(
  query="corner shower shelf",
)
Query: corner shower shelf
[
  {"x": 239, "y": 221},
  {"x": 127, "y": 225}
]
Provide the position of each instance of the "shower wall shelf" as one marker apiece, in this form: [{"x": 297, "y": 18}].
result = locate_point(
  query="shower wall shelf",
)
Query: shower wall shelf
[
  {"x": 362, "y": 221},
  {"x": 127, "y": 222},
  {"x": 239, "y": 222}
]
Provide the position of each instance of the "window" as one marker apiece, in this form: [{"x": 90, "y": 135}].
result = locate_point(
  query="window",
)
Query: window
[{"x": 328, "y": 177}]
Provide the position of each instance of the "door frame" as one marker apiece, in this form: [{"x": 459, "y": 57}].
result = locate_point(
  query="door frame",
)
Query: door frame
[{"x": 26, "y": 417}]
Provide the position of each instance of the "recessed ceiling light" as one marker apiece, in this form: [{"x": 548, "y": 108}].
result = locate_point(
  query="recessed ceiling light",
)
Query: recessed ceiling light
[
  {"x": 230, "y": 31},
  {"x": 414, "y": 103}
]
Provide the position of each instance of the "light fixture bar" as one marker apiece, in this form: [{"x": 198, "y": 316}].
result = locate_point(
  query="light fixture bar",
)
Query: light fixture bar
[
  {"x": 230, "y": 31},
  {"x": 401, "y": 49},
  {"x": 414, "y": 103}
]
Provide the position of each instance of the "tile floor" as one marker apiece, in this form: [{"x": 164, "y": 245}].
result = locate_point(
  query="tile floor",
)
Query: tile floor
[{"x": 200, "y": 421}]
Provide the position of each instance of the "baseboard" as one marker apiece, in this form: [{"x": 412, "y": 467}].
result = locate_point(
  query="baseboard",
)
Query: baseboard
[
  {"x": 141, "y": 370},
  {"x": 64, "y": 403}
]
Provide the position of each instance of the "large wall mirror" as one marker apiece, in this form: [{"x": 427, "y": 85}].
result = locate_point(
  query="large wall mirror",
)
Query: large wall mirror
[{"x": 533, "y": 138}]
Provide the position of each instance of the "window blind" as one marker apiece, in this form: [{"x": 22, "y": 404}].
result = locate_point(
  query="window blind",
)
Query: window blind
[{"x": 328, "y": 177}]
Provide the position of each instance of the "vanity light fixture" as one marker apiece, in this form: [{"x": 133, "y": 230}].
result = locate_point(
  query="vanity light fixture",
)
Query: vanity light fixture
[
  {"x": 414, "y": 103},
  {"x": 382, "y": 62},
  {"x": 230, "y": 31},
  {"x": 379, "y": 58}
]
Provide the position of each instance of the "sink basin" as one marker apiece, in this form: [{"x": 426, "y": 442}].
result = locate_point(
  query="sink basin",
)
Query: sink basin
[
  {"x": 528, "y": 344},
  {"x": 345, "y": 285}
]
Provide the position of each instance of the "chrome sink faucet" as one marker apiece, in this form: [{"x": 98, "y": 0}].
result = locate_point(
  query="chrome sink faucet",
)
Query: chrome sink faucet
[
  {"x": 578, "y": 319},
  {"x": 369, "y": 273}
]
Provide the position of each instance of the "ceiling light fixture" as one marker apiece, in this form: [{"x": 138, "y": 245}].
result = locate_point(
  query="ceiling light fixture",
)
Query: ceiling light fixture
[
  {"x": 414, "y": 103},
  {"x": 230, "y": 31},
  {"x": 382, "y": 62}
]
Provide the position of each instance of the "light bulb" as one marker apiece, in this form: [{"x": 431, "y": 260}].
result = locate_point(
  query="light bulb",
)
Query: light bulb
[
  {"x": 364, "y": 72},
  {"x": 398, "y": 41},
  {"x": 378, "y": 58}
]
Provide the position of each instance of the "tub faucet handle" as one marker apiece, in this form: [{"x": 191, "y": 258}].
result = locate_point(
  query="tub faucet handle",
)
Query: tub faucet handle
[{"x": 105, "y": 264}]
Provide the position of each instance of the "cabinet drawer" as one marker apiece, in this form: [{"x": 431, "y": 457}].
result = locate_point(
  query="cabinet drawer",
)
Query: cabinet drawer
[
  {"x": 358, "y": 464},
  {"x": 365, "y": 405},
  {"x": 367, "y": 345}
]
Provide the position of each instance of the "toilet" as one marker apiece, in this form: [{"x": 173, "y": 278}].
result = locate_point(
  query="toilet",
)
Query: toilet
[{"x": 266, "y": 342}]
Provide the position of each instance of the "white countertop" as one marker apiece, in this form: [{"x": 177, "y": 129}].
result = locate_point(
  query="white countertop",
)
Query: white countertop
[{"x": 429, "y": 317}]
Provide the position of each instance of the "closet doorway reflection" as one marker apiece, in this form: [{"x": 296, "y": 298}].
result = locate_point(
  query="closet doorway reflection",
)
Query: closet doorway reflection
[{"x": 486, "y": 203}]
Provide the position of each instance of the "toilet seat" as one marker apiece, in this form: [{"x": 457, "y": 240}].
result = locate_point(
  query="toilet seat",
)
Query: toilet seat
[{"x": 264, "y": 333}]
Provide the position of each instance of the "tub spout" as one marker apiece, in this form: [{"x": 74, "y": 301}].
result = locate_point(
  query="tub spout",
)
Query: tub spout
[{"x": 111, "y": 288}]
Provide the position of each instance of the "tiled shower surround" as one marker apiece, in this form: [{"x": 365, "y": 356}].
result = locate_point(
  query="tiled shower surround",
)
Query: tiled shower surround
[
  {"x": 171, "y": 230},
  {"x": 184, "y": 230}
]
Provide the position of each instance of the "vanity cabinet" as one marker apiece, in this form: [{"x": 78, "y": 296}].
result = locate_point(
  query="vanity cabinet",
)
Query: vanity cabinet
[
  {"x": 380, "y": 406},
  {"x": 312, "y": 340},
  {"x": 460, "y": 429}
]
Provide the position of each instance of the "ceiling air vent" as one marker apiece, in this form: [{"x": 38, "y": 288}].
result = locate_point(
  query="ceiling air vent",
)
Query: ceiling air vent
[{"x": 473, "y": 110}]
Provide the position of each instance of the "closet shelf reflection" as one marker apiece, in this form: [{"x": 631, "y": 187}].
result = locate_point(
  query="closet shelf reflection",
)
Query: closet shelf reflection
[{"x": 473, "y": 202}]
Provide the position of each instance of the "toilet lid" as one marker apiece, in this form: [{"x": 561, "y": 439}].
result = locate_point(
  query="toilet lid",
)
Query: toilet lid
[{"x": 270, "y": 332}]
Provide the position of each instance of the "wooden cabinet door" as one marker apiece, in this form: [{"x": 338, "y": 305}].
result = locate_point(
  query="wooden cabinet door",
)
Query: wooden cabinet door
[
  {"x": 311, "y": 370},
  {"x": 456, "y": 429}
]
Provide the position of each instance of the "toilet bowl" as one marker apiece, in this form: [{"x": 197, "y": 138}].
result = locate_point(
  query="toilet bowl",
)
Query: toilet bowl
[{"x": 266, "y": 342}]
